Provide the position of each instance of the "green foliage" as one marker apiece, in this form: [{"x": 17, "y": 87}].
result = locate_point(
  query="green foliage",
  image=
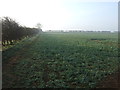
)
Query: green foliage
[{"x": 67, "y": 60}]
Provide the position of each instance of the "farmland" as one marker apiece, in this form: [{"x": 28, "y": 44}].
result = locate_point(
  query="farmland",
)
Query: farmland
[{"x": 55, "y": 60}]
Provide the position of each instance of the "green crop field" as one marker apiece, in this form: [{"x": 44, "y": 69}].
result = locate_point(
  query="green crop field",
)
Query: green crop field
[{"x": 68, "y": 60}]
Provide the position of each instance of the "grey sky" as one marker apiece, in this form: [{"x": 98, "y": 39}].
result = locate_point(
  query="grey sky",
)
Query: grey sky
[{"x": 63, "y": 14}]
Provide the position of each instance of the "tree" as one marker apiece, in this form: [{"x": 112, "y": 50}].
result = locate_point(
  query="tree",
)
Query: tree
[
  {"x": 39, "y": 26},
  {"x": 12, "y": 31}
]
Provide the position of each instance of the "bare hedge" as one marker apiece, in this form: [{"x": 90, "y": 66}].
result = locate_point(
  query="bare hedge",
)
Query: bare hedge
[{"x": 12, "y": 31}]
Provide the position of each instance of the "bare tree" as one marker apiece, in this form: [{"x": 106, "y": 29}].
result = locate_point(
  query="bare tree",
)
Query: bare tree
[
  {"x": 12, "y": 31},
  {"x": 39, "y": 26}
]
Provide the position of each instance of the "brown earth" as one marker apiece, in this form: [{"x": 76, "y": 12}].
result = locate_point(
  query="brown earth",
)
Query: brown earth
[
  {"x": 111, "y": 81},
  {"x": 8, "y": 66}
]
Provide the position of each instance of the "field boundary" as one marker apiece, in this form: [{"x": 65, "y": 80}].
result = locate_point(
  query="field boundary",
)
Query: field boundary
[{"x": 11, "y": 62}]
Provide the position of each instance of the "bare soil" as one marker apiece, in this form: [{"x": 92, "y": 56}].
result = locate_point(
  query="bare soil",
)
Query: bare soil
[
  {"x": 7, "y": 67},
  {"x": 111, "y": 81}
]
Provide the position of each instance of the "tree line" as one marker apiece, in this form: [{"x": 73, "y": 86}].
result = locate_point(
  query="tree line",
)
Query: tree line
[{"x": 12, "y": 31}]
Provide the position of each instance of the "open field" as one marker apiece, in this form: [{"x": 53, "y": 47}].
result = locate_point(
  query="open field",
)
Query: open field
[{"x": 69, "y": 60}]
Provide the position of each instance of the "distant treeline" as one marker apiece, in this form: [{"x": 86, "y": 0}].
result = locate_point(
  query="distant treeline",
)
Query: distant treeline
[{"x": 12, "y": 31}]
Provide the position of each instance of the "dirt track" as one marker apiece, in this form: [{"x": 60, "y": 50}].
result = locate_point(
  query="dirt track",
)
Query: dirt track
[{"x": 8, "y": 66}]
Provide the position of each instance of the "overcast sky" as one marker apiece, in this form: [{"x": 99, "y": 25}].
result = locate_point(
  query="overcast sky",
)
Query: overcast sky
[{"x": 63, "y": 14}]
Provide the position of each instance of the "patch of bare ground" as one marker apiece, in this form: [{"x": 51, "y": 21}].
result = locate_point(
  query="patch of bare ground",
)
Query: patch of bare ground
[
  {"x": 8, "y": 77},
  {"x": 111, "y": 81}
]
